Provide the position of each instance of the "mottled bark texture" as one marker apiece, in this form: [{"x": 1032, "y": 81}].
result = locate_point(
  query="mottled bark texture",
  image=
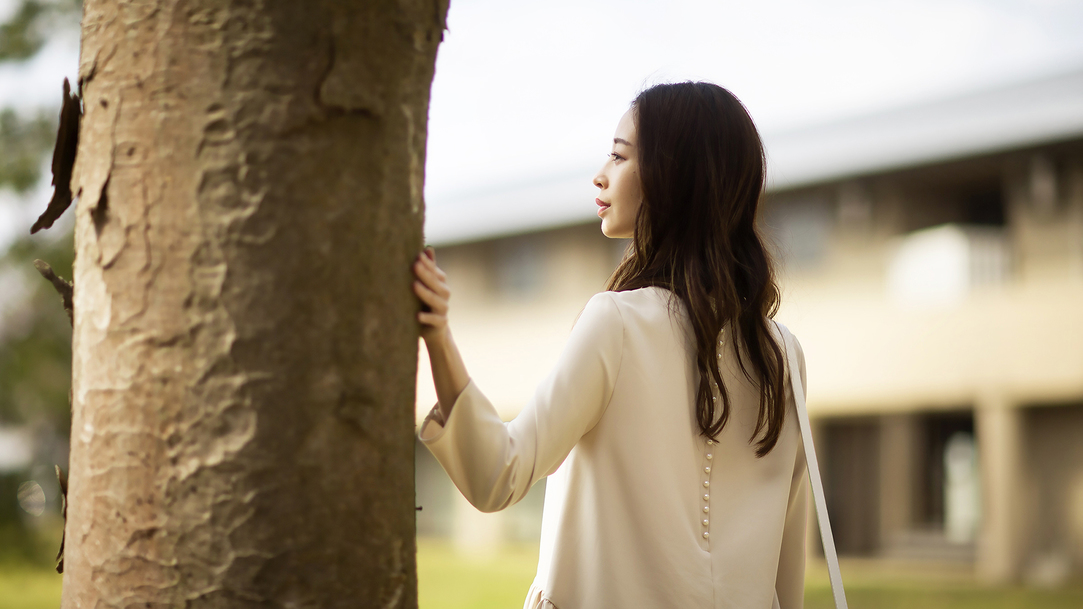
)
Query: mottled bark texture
[{"x": 249, "y": 177}]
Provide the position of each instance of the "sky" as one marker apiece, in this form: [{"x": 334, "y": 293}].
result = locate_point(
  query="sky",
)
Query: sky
[{"x": 526, "y": 91}]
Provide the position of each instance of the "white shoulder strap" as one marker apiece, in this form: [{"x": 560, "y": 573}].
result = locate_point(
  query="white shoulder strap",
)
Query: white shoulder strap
[{"x": 814, "y": 477}]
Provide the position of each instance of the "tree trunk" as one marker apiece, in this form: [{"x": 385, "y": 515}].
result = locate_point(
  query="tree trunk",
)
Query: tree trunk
[{"x": 249, "y": 178}]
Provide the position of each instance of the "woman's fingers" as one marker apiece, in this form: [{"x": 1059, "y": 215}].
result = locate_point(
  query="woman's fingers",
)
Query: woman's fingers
[
  {"x": 430, "y": 264},
  {"x": 432, "y": 290},
  {"x": 432, "y": 319},
  {"x": 435, "y": 280},
  {"x": 437, "y": 303}
]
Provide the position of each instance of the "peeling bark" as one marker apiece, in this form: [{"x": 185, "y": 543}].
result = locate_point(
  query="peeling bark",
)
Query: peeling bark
[
  {"x": 62, "y": 482},
  {"x": 67, "y": 142},
  {"x": 245, "y": 343}
]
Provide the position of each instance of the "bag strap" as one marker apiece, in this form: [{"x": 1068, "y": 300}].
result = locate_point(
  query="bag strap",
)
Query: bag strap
[{"x": 814, "y": 477}]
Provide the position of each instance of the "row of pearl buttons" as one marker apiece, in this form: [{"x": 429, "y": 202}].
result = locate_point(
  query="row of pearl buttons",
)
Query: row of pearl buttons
[
  {"x": 707, "y": 496},
  {"x": 707, "y": 470}
]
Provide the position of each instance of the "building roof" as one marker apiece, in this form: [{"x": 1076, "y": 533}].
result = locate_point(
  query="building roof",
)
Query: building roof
[{"x": 1037, "y": 112}]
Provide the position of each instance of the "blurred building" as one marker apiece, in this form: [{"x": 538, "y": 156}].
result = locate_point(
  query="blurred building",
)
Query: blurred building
[{"x": 932, "y": 266}]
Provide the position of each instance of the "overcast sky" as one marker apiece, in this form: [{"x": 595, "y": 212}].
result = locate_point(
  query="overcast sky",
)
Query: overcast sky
[{"x": 527, "y": 90}]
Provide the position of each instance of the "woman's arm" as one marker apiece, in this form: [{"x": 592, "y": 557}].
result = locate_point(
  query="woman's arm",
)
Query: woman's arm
[
  {"x": 495, "y": 463},
  {"x": 448, "y": 370}
]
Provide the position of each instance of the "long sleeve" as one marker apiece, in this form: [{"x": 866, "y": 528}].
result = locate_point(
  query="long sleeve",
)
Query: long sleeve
[
  {"x": 494, "y": 463},
  {"x": 790, "y": 579}
]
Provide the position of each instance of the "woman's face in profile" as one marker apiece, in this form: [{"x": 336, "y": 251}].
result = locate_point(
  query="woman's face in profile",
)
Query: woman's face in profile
[{"x": 621, "y": 193}]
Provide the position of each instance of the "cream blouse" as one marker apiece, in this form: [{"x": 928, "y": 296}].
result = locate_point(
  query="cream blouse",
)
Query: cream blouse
[{"x": 641, "y": 511}]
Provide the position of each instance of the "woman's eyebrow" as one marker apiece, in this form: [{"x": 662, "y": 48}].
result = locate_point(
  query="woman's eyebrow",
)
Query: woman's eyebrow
[{"x": 618, "y": 140}]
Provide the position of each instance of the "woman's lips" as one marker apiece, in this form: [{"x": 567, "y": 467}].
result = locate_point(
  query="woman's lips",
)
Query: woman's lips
[{"x": 602, "y": 206}]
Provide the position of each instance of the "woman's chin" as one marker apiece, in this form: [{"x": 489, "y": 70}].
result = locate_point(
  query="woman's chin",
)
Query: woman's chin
[{"x": 613, "y": 233}]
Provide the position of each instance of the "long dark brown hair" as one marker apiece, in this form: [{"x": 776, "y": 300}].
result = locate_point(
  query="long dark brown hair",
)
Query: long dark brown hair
[{"x": 701, "y": 164}]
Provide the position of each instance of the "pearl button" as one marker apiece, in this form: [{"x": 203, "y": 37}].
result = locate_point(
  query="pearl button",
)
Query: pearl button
[
  {"x": 706, "y": 497},
  {"x": 706, "y": 535},
  {"x": 706, "y": 509},
  {"x": 710, "y": 456},
  {"x": 719, "y": 356},
  {"x": 706, "y": 483},
  {"x": 707, "y": 470},
  {"x": 714, "y": 398},
  {"x": 706, "y": 522}
]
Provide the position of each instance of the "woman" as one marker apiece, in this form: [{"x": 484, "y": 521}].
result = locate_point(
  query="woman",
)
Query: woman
[{"x": 667, "y": 429}]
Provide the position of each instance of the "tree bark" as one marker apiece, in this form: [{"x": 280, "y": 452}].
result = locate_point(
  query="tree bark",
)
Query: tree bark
[{"x": 249, "y": 178}]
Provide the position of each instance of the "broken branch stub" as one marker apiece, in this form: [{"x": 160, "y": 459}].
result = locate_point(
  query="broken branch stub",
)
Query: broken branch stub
[{"x": 62, "y": 287}]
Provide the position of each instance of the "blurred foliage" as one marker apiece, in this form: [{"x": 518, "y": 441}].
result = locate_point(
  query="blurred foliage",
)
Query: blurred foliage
[
  {"x": 35, "y": 334},
  {"x": 35, "y": 346},
  {"x": 24, "y": 143},
  {"x": 25, "y": 33},
  {"x": 21, "y": 37}
]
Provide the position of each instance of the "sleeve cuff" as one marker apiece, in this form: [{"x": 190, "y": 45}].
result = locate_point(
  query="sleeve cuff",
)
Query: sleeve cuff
[{"x": 434, "y": 426}]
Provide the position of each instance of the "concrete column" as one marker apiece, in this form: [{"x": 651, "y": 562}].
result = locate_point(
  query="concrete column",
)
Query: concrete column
[
  {"x": 898, "y": 439},
  {"x": 999, "y": 427}
]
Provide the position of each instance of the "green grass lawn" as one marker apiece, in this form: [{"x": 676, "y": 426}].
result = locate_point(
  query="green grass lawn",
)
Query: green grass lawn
[
  {"x": 447, "y": 580},
  {"x": 874, "y": 584},
  {"x": 23, "y": 587}
]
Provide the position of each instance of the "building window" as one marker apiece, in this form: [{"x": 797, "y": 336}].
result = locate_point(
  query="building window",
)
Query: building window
[{"x": 984, "y": 206}]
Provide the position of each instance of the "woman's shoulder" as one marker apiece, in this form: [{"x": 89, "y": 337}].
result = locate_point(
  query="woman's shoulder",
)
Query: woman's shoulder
[
  {"x": 651, "y": 297},
  {"x": 783, "y": 334},
  {"x": 619, "y": 308},
  {"x": 643, "y": 307}
]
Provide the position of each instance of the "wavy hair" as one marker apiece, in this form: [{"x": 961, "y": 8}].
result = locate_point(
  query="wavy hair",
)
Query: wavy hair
[{"x": 702, "y": 165}]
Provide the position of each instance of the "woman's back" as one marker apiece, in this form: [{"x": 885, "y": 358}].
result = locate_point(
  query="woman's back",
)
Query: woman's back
[{"x": 643, "y": 511}]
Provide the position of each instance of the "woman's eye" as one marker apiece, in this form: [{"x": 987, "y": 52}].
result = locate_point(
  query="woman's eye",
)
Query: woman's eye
[{"x": 615, "y": 156}]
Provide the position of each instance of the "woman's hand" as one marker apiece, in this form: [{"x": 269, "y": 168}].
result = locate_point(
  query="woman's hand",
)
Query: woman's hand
[
  {"x": 448, "y": 370},
  {"x": 431, "y": 288}
]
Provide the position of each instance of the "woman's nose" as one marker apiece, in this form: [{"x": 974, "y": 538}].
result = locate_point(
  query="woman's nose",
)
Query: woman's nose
[{"x": 599, "y": 180}]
